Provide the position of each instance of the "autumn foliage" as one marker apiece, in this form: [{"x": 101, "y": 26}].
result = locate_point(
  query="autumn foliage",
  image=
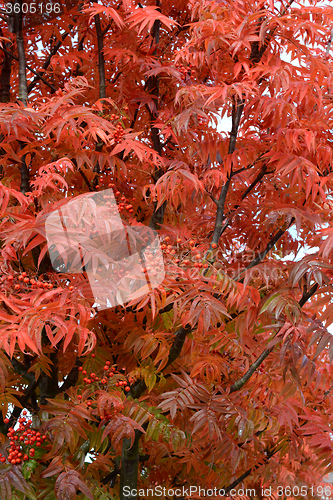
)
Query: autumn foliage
[{"x": 220, "y": 377}]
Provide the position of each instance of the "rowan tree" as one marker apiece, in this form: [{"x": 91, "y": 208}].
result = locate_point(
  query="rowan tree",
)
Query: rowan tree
[{"x": 220, "y": 376}]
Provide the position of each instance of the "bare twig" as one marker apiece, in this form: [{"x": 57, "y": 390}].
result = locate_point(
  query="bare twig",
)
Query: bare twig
[
  {"x": 40, "y": 77},
  {"x": 236, "y": 386}
]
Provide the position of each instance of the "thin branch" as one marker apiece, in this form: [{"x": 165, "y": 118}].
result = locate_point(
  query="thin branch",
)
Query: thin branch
[
  {"x": 40, "y": 77},
  {"x": 263, "y": 254},
  {"x": 236, "y": 386},
  {"x": 23, "y": 401},
  {"x": 220, "y": 213},
  {"x": 329, "y": 43},
  {"x": 83, "y": 175},
  {"x": 177, "y": 345},
  {"x": 246, "y": 192},
  {"x": 47, "y": 62},
  {"x": 71, "y": 378},
  {"x": 237, "y": 111},
  {"x": 246, "y": 474},
  {"x": 256, "y": 53},
  {"x": 19, "y": 368},
  {"x": 180, "y": 336},
  {"x": 260, "y": 175}
]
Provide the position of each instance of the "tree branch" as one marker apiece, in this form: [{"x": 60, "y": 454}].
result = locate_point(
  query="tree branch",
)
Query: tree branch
[
  {"x": 101, "y": 63},
  {"x": 5, "y": 75},
  {"x": 47, "y": 62},
  {"x": 40, "y": 77},
  {"x": 180, "y": 336},
  {"x": 241, "y": 478},
  {"x": 19, "y": 368},
  {"x": 152, "y": 86},
  {"x": 24, "y": 170},
  {"x": 263, "y": 254},
  {"x": 237, "y": 111},
  {"x": 23, "y": 90},
  {"x": 236, "y": 386}
]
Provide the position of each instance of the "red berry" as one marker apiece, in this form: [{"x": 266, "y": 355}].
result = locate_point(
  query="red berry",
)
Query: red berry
[
  {"x": 80, "y": 369},
  {"x": 214, "y": 245},
  {"x": 127, "y": 388},
  {"x": 79, "y": 397},
  {"x": 93, "y": 355}
]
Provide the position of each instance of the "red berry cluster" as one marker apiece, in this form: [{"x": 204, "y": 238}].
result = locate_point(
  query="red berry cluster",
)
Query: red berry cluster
[
  {"x": 105, "y": 377},
  {"x": 181, "y": 249},
  {"x": 189, "y": 71},
  {"x": 123, "y": 203},
  {"x": 23, "y": 282},
  {"x": 118, "y": 134},
  {"x": 116, "y": 408},
  {"x": 23, "y": 441},
  {"x": 202, "y": 121}
]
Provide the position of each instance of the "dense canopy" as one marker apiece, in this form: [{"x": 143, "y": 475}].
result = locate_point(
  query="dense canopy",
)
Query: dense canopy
[{"x": 209, "y": 122}]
